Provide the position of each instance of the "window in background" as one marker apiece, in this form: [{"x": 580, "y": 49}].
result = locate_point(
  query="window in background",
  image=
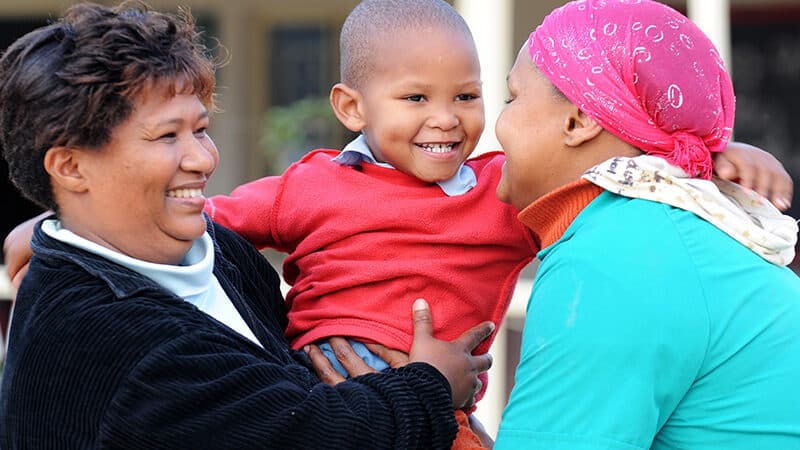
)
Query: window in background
[
  {"x": 302, "y": 63},
  {"x": 303, "y": 67}
]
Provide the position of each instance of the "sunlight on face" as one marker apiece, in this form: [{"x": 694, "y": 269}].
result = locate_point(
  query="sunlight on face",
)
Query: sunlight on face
[
  {"x": 423, "y": 109},
  {"x": 530, "y": 130},
  {"x": 145, "y": 187}
]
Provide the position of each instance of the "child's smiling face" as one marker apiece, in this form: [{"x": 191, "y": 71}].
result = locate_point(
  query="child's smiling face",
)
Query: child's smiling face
[{"x": 422, "y": 105}]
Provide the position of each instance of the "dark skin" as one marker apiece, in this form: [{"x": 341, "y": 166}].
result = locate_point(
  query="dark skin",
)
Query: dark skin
[
  {"x": 355, "y": 366},
  {"x": 750, "y": 166},
  {"x": 742, "y": 163},
  {"x": 446, "y": 356}
]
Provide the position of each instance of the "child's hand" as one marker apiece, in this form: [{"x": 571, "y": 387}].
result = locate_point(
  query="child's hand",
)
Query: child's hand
[
  {"x": 755, "y": 169},
  {"x": 453, "y": 359},
  {"x": 17, "y": 249}
]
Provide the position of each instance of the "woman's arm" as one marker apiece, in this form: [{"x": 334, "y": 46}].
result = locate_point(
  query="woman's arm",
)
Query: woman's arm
[{"x": 201, "y": 392}]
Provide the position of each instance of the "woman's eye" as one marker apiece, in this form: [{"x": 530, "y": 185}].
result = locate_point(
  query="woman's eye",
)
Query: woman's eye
[
  {"x": 201, "y": 131},
  {"x": 168, "y": 136},
  {"x": 415, "y": 98},
  {"x": 509, "y": 100}
]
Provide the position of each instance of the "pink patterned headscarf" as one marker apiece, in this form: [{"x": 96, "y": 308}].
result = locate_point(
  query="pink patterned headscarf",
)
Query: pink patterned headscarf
[{"x": 644, "y": 72}]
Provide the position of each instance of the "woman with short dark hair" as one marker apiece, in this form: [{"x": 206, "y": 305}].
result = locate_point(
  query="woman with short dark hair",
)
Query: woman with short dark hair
[{"x": 140, "y": 323}]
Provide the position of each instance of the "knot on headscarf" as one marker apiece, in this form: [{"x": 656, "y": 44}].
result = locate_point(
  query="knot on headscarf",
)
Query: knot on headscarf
[
  {"x": 645, "y": 73},
  {"x": 691, "y": 154}
]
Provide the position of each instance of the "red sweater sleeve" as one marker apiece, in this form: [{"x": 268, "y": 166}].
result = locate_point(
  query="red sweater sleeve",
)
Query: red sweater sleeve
[{"x": 250, "y": 211}]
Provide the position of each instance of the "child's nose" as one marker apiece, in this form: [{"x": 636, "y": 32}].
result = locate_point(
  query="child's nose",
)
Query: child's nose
[{"x": 444, "y": 117}]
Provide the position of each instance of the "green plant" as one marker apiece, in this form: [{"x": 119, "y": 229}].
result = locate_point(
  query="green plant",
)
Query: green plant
[{"x": 291, "y": 131}]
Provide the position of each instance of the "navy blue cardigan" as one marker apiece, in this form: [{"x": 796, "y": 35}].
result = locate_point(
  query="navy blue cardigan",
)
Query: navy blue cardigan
[{"x": 102, "y": 357}]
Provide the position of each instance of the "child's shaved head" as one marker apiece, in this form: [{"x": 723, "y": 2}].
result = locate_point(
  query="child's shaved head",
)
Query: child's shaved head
[{"x": 373, "y": 20}]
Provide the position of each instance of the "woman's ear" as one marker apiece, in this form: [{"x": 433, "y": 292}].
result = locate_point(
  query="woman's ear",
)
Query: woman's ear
[
  {"x": 579, "y": 128},
  {"x": 63, "y": 166},
  {"x": 346, "y": 104}
]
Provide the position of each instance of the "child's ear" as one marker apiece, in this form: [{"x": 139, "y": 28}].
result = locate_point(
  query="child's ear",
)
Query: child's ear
[
  {"x": 63, "y": 166},
  {"x": 346, "y": 104},
  {"x": 579, "y": 128}
]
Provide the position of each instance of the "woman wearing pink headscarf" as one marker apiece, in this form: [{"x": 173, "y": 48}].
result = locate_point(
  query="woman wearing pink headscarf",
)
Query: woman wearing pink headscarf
[{"x": 616, "y": 108}]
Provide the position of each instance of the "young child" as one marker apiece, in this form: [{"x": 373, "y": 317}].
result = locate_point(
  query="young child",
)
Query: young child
[{"x": 399, "y": 213}]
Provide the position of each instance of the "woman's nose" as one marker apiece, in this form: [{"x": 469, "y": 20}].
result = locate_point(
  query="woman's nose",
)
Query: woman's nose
[{"x": 201, "y": 155}]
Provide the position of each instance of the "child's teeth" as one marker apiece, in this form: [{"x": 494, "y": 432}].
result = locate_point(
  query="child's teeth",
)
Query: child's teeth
[{"x": 438, "y": 148}]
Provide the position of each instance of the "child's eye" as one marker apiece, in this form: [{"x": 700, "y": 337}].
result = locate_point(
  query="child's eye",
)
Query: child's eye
[
  {"x": 466, "y": 97},
  {"x": 415, "y": 98}
]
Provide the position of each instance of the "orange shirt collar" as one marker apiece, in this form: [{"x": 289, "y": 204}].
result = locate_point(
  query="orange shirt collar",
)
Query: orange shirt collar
[{"x": 551, "y": 215}]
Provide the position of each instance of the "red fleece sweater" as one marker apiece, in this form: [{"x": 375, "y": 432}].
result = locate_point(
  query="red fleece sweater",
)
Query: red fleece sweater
[{"x": 364, "y": 243}]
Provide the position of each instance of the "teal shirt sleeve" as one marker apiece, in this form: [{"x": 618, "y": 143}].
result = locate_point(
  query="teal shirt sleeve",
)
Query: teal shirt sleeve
[{"x": 605, "y": 357}]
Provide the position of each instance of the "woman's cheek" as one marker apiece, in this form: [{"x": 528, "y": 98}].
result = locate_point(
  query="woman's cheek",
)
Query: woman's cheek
[{"x": 502, "y": 187}]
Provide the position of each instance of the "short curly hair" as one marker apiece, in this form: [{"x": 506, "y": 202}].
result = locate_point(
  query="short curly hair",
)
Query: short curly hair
[{"x": 72, "y": 82}]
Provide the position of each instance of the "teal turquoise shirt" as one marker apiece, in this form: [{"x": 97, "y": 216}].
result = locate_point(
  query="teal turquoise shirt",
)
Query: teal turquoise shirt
[{"x": 650, "y": 328}]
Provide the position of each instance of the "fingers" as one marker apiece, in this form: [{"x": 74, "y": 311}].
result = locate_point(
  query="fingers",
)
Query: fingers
[
  {"x": 770, "y": 180},
  {"x": 765, "y": 174},
  {"x": 470, "y": 401},
  {"x": 395, "y": 358},
  {"x": 724, "y": 168},
  {"x": 782, "y": 187},
  {"x": 475, "y": 335},
  {"x": 348, "y": 358},
  {"x": 322, "y": 367},
  {"x": 423, "y": 327},
  {"x": 483, "y": 362},
  {"x": 781, "y": 199},
  {"x": 745, "y": 171},
  {"x": 423, "y": 322}
]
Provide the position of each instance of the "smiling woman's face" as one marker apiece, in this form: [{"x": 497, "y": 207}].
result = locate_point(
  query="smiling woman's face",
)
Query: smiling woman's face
[
  {"x": 144, "y": 189},
  {"x": 531, "y": 131}
]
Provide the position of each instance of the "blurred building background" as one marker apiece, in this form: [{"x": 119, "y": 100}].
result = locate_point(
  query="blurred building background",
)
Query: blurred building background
[{"x": 283, "y": 58}]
